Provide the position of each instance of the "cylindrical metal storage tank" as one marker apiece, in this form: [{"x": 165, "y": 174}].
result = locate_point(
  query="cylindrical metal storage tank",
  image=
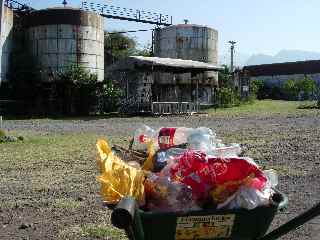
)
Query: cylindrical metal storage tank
[
  {"x": 189, "y": 42},
  {"x": 6, "y": 42},
  {"x": 60, "y": 37}
]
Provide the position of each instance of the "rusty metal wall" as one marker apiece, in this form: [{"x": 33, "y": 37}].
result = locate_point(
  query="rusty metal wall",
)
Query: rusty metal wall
[
  {"x": 187, "y": 41},
  {"x": 6, "y": 42},
  {"x": 190, "y": 42},
  {"x": 56, "y": 44}
]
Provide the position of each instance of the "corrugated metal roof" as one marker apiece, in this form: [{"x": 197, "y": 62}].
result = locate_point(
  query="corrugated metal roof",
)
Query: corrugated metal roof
[
  {"x": 287, "y": 68},
  {"x": 166, "y": 64}
]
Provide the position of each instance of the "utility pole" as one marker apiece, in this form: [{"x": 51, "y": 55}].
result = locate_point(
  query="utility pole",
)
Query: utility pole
[
  {"x": 64, "y": 3},
  {"x": 232, "y": 55}
]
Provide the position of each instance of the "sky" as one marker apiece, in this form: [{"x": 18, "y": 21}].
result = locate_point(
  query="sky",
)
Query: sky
[{"x": 258, "y": 26}]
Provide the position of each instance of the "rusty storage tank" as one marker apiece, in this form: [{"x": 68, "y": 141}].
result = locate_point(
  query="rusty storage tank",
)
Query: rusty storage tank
[
  {"x": 60, "y": 37},
  {"x": 6, "y": 42},
  {"x": 189, "y": 42}
]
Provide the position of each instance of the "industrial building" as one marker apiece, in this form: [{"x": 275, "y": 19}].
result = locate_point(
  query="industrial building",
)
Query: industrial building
[
  {"x": 46, "y": 42},
  {"x": 174, "y": 43},
  {"x": 37, "y": 46},
  {"x": 277, "y": 73},
  {"x": 143, "y": 87},
  {"x": 188, "y": 42},
  {"x": 60, "y": 37},
  {"x": 55, "y": 38}
]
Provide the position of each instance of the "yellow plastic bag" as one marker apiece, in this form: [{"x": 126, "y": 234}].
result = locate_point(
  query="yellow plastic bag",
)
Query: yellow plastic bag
[
  {"x": 148, "y": 164},
  {"x": 117, "y": 178}
]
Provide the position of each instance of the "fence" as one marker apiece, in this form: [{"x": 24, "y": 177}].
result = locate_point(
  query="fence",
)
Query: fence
[{"x": 162, "y": 108}]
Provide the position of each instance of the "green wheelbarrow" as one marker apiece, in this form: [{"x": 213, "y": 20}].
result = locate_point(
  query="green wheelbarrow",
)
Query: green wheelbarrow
[{"x": 206, "y": 224}]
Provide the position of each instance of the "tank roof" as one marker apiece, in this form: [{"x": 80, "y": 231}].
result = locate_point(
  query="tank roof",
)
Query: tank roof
[
  {"x": 59, "y": 8},
  {"x": 64, "y": 15},
  {"x": 189, "y": 26}
]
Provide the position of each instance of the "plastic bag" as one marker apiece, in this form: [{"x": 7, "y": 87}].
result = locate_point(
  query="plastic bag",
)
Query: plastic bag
[
  {"x": 246, "y": 198},
  {"x": 164, "y": 195},
  {"x": 227, "y": 151},
  {"x": 250, "y": 198},
  {"x": 162, "y": 157},
  {"x": 202, "y": 139},
  {"x": 149, "y": 164},
  {"x": 215, "y": 177},
  {"x": 117, "y": 178}
]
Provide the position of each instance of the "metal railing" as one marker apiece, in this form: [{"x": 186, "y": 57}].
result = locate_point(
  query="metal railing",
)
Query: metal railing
[
  {"x": 167, "y": 108},
  {"x": 15, "y": 5},
  {"x": 128, "y": 14},
  {"x": 133, "y": 105}
]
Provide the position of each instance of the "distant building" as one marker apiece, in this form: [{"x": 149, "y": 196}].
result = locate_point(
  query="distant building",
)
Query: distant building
[{"x": 277, "y": 73}]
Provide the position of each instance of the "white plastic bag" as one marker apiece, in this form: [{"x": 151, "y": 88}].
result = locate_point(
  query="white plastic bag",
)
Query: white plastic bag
[{"x": 250, "y": 198}]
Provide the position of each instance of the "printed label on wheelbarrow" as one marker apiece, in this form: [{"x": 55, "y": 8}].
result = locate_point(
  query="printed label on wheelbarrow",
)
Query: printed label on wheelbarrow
[{"x": 204, "y": 227}]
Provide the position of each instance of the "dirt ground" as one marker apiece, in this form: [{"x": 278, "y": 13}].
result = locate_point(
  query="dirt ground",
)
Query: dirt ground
[{"x": 48, "y": 188}]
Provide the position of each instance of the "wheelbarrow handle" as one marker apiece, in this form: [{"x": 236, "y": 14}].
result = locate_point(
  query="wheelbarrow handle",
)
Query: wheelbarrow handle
[
  {"x": 123, "y": 214},
  {"x": 293, "y": 224},
  {"x": 124, "y": 217}
]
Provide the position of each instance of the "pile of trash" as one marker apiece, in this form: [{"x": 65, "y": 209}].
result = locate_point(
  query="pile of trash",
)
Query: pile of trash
[{"x": 184, "y": 169}]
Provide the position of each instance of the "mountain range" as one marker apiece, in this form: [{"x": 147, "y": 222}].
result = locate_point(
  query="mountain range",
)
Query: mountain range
[{"x": 242, "y": 59}]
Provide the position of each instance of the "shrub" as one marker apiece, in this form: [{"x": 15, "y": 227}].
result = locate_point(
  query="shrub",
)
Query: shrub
[
  {"x": 307, "y": 88},
  {"x": 227, "y": 97},
  {"x": 110, "y": 96},
  {"x": 256, "y": 87},
  {"x": 2, "y": 133},
  {"x": 80, "y": 90},
  {"x": 290, "y": 87},
  {"x": 302, "y": 89}
]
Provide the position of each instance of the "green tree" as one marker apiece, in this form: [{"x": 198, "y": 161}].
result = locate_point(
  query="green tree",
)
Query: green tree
[
  {"x": 118, "y": 46},
  {"x": 78, "y": 75},
  {"x": 225, "y": 77},
  {"x": 256, "y": 87},
  {"x": 79, "y": 91},
  {"x": 317, "y": 94},
  {"x": 146, "y": 51},
  {"x": 307, "y": 86},
  {"x": 227, "y": 97},
  {"x": 110, "y": 96},
  {"x": 290, "y": 87},
  {"x": 304, "y": 88}
]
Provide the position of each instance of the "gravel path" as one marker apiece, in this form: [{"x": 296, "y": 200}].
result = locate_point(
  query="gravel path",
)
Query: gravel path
[{"x": 289, "y": 144}]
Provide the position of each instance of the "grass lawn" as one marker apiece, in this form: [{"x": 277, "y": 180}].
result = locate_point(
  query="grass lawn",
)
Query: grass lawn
[
  {"x": 264, "y": 107},
  {"x": 47, "y": 182}
]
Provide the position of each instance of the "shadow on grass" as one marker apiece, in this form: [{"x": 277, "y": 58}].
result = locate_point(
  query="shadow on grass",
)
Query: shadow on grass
[
  {"x": 309, "y": 106},
  {"x": 78, "y": 117}
]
